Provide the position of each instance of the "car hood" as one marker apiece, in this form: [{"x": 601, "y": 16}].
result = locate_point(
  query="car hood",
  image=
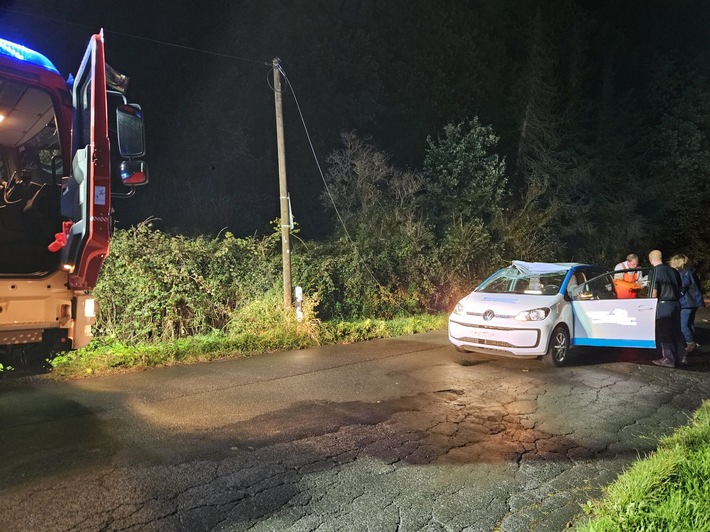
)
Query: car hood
[{"x": 506, "y": 304}]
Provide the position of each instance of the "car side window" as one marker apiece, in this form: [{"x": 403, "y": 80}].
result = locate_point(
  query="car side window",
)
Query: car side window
[
  {"x": 602, "y": 287},
  {"x": 646, "y": 281},
  {"x": 608, "y": 286},
  {"x": 599, "y": 287}
]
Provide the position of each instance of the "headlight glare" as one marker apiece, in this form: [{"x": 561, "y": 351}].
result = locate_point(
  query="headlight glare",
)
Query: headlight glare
[{"x": 536, "y": 314}]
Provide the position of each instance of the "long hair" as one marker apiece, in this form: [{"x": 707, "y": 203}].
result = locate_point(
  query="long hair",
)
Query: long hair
[{"x": 678, "y": 261}]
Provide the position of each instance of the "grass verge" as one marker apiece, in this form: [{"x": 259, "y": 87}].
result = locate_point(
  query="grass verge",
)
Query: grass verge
[
  {"x": 669, "y": 490},
  {"x": 106, "y": 356}
]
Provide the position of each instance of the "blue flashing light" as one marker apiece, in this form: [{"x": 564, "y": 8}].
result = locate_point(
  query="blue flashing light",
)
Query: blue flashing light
[{"x": 22, "y": 53}]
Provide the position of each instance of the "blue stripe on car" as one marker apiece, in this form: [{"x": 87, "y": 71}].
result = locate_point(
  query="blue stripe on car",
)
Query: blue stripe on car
[{"x": 606, "y": 342}]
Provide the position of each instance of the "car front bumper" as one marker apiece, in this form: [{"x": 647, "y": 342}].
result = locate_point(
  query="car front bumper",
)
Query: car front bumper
[{"x": 517, "y": 341}]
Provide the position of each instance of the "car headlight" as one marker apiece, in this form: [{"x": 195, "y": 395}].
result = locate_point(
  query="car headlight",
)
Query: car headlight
[
  {"x": 536, "y": 314},
  {"x": 458, "y": 309}
]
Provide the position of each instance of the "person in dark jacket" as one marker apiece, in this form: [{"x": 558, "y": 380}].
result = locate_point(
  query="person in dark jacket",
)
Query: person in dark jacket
[
  {"x": 669, "y": 339},
  {"x": 690, "y": 300}
]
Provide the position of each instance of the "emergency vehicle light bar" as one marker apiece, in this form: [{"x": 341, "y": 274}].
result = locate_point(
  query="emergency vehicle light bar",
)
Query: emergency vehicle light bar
[{"x": 17, "y": 51}]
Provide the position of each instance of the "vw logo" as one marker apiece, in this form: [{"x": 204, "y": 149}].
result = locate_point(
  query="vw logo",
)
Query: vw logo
[{"x": 488, "y": 315}]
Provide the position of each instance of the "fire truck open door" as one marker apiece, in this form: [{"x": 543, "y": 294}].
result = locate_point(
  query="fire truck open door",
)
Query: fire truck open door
[{"x": 86, "y": 199}]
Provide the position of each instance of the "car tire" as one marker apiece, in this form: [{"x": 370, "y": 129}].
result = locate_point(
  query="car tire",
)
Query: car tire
[{"x": 558, "y": 348}]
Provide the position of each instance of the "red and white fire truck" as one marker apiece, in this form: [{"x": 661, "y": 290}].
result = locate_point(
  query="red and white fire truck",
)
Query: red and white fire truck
[{"x": 57, "y": 140}]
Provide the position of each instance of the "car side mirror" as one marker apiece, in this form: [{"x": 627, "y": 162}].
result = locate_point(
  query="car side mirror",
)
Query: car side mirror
[{"x": 584, "y": 294}]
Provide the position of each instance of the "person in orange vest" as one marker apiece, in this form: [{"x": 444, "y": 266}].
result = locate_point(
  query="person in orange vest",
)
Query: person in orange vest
[{"x": 627, "y": 284}]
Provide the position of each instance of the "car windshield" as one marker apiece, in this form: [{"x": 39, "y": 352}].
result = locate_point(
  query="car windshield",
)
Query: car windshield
[{"x": 512, "y": 281}]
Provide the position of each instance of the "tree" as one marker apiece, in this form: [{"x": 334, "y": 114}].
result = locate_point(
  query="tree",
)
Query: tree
[
  {"x": 676, "y": 155},
  {"x": 466, "y": 177},
  {"x": 378, "y": 207}
]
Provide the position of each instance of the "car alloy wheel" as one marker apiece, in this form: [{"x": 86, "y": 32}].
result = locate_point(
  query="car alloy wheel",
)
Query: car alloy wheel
[{"x": 558, "y": 350}]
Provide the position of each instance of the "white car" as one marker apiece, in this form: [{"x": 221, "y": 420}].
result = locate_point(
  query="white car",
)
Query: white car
[{"x": 536, "y": 309}]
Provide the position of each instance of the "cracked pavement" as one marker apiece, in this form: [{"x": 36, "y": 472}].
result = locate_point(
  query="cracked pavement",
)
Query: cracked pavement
[{"x": 402, "y": 434}]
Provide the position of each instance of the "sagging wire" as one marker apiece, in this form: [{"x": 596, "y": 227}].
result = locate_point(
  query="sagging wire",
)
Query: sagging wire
[
  {"x": 132, "y": 36},
  {"x": 191, "y": 48},
  {"x": 325, "y": 184}
]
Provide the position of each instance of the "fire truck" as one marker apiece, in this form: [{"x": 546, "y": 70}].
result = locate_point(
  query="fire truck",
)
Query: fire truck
[{"x": 63, "y": 145}]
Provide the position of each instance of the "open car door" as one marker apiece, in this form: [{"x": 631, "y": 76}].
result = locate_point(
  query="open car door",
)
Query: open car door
[
  {"x": 86, "y": 199},
  {"x": 607, "y": 316}
]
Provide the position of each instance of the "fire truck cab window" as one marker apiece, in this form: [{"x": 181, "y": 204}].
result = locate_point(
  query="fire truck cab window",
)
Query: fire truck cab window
[{"x": 29, "y": 202}]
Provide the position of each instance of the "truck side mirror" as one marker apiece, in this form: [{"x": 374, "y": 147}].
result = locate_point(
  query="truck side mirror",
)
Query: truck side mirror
[
  {"x": 131, "y": 131},
  {"x": 134, "y": 173}
]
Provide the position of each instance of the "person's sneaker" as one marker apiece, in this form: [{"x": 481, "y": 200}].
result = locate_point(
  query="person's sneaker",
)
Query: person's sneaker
[
  {"x": 692, "y": 346},
  {"x": 684, "y": 360},
  {"x": 664, "y": 362}
]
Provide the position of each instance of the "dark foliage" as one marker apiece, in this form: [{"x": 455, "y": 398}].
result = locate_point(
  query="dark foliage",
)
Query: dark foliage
[{"x": 600, "y": 109}]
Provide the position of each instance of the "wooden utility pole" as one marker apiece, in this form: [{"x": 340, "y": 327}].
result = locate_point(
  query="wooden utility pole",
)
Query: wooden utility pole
[{"x": 283, "y": 189}]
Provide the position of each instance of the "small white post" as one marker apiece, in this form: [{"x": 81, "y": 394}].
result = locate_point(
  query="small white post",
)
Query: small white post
[{"x": 299, "y": 303}]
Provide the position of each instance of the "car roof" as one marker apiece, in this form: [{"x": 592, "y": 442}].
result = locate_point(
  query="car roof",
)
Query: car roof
[{"x": 545, "y": 267}]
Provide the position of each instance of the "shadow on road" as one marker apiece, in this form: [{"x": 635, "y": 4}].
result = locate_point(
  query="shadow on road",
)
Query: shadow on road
[{"x": 47, "y": 434}]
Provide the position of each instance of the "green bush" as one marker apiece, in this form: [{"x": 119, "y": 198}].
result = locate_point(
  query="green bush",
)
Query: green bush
[{"x": 157, "y": 287}]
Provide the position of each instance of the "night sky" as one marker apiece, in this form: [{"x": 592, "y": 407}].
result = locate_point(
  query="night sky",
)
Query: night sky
[{"x": 395, "y": 71}]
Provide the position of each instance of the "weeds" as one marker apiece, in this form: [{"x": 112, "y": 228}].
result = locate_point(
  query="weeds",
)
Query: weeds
[
  {"x": 245, "y": 339},
  {"x": 670, "y": 490}
]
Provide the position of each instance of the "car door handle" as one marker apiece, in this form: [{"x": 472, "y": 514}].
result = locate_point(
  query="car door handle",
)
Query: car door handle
[{"x": 644, "y": 308}]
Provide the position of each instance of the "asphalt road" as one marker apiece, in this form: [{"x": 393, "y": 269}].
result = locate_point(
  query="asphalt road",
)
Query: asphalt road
[{"x": 401, "y": 434}]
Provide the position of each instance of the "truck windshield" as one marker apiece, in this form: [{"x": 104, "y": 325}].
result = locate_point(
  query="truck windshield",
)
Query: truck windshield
[
  {"x": 28, "y": 131},
  {"x": 29, "y": 190}
]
